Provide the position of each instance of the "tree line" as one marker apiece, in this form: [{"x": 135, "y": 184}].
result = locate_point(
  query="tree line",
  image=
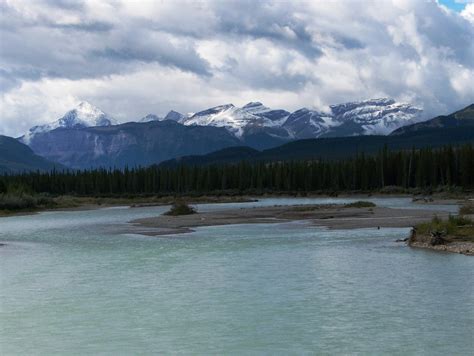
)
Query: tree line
[{"x": 422, "y": 168}]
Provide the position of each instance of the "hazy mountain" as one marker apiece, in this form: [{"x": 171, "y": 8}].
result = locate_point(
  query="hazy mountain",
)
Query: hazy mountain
[
  {"x": 174, "y": 116},
  {"x": 150, "y": 117}
]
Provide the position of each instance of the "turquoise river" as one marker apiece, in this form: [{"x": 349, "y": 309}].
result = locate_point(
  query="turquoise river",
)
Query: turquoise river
[{"x": 81, "y": 282}]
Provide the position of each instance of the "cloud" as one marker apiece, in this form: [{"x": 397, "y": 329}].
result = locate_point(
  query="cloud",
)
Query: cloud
[
  {"x": 188, "y": 55},
  {"x": 468, "y": 13}
]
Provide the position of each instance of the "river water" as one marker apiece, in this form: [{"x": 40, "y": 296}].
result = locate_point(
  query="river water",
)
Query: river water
[{"x": 79, "y": 283}]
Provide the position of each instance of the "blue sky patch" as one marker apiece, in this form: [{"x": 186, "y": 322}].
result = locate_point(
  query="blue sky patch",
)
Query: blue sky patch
[{"x": 456, "y": 5}]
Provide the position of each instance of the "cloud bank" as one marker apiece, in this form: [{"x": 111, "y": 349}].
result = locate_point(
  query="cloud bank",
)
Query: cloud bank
[{"x": 133, "y": 58}]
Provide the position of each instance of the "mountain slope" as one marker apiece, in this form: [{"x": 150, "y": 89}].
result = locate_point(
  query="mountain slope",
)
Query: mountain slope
[
  {"x": 16, "y": 157},
  {"x": 306, "y": 123},
  {"x": 374, "y": 116},
  {"x": 129, "y": 144},
  {"x": 237, "y": 120},
  {"x": 461, "y": 118},
  {"x": 334, "y": 148}
]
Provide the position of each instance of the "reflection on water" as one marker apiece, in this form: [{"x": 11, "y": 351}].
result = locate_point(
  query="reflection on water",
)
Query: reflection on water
[{"x": 71, "y": 283}]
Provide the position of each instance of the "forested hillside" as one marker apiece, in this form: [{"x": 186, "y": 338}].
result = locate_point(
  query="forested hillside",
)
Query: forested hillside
[
  {"x": 338, "y": 147},
  {"x": 16, "y": 157}
]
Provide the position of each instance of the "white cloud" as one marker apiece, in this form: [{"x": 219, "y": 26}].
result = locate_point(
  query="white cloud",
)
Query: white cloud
[
  {"x": 131, "y": 59},
  {"x": 468, "y": 13}
]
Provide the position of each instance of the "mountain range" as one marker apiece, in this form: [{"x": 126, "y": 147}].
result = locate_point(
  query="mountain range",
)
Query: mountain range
[
  {"x": 375, "y": 116},
  {"x": 86, "y": 137},
  {"x": 453, "y": 129}
]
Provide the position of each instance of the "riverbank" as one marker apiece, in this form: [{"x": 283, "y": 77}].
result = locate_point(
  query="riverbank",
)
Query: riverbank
[
  {"x": 455, "y": 234},
  {"x": 72, "y": 203},
  {"x": 25, "y": 204},
  {"x": 333, "y": 216},
  {"x": 463, "y": 247}
]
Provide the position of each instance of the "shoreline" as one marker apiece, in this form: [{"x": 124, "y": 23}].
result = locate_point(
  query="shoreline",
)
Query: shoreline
[
  {"x": 461, "y": 247},
  {"x": 71, "y": 203}
]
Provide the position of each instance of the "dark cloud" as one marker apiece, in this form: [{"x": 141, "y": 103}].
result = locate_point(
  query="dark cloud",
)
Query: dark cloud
[
  {"x": 76, "y": 5},
  {"x": 96, "y": 26},
  {"x": 349, "y": 42},
  {"x": 185, "y": 59}
]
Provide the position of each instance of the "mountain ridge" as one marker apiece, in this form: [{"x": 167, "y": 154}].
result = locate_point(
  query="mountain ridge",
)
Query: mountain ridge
[
  {"x": 129, "y": 144},
  {"x": 463, "y": 117}
]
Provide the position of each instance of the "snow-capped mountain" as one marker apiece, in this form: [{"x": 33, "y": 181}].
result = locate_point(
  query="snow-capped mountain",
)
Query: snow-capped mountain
[
  {"x": 369, "y": 117},
  {"x": 306, "y": 123},
  {"x": 236, "y": 119},
  {"x": 84, "y": 115},
  {"x": 253, "y": 124},
  {"x": 376, "y": 116},
  {"x": 80, "y": 144}
]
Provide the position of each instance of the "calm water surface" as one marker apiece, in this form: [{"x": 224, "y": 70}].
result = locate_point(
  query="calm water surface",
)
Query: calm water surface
[{"x": 76, "y": 283}]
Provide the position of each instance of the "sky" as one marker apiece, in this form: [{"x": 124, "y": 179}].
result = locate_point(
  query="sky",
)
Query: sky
[{"x": 132, "y": 58}]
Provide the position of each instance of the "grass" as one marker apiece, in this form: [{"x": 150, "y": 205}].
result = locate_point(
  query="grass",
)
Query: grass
[
  {"x": 454, "y": 228},
  {"x": 360, "y": 204},
  {"x": 25, "y": 202},
  {"x": 180, "y": 208}
]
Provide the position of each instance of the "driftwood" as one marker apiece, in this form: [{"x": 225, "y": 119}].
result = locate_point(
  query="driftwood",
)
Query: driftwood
[
  {"x": 437, "y": 238},
  {"x": 412, "y": 237}
]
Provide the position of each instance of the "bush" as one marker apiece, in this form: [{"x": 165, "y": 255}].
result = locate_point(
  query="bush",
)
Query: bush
[
  {"x": 467, "y": 209},
  {"x": 180, "y": 208},
  {"x": 360, "y": 204},
  {"x": 454, "y": 225}
]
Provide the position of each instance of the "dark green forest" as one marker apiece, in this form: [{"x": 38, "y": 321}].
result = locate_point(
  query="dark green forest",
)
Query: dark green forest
[{"x": 421, "y": 168}]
